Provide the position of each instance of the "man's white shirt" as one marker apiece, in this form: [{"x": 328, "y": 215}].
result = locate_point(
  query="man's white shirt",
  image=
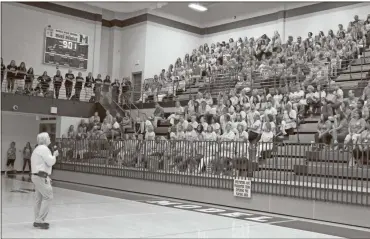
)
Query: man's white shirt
[{"x": 42, "y": 160}]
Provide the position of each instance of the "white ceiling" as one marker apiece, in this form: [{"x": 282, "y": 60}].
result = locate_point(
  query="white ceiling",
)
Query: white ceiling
[
  {"x": 218, "y": 12},
  {"x": 126, "y": 7}
]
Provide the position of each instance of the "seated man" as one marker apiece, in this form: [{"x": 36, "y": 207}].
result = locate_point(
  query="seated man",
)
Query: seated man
[{"x": 157, "y": 115}]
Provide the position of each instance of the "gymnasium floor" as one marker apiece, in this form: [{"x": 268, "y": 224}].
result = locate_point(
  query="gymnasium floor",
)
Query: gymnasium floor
[{"x": 89, "y": 214}]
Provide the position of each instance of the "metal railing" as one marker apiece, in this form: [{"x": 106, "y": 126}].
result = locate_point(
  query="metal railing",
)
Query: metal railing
[{"x": 308, "y": 171}]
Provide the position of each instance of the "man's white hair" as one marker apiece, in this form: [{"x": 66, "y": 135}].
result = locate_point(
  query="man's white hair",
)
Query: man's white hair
[{"x": 43, "y": 139}]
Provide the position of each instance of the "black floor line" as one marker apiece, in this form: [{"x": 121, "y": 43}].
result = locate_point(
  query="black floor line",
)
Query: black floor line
[{"x": 340, "y": 231}]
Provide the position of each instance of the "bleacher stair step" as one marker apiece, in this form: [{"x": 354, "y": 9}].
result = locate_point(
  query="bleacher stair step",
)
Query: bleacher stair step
[{"x": 338, "y": 171}]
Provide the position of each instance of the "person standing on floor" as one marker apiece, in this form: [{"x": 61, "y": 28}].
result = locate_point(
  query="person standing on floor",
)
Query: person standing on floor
[
  {"x": 42, "y": 161},
  {"x": 27, "y": 151}
]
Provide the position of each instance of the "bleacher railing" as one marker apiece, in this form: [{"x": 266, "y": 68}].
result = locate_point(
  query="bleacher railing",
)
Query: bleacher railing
[{"x": 307, "y": 171}]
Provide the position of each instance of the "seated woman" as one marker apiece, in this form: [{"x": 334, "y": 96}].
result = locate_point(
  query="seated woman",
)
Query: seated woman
[
  {"x": 209, "y": 148},
  {"x": 339, "y": 130},
  {"x": 326, "y": 108},
  {"x": 266, "y": 142},
  {"x": 333, "y": 99},
  {"x": 80, "y": 143},
  {"x": 204, "y": 108},
  {"x": 193, "y": 121},
  {"x": 179, "y": 110},
  {"x": 227, "y": 150},
  {"x": 289, "y": 121},
  {"x": 361, "y": 153},
  {"x": 323, "y": 128},
  {"x": 254, "y": 132},
  {"x": 191, "y": 134},
  {"x": 116, "y": 129},
  {"x": 215, "y": 126},
  {"x": 106, "y": 128},
  {"x": 310, "y": 99},
  {"x": 241, "y": 147},
  {"x": 147, "y": 91},
  {"x": 127, "y": 152},
  {"x": 224, "y": 119},
  {"x": 200, "y": 131},
  {"x": 352, "y": 100},
  {"x": 270, "y": 119},
  {"x": 203, "y": 122},
  {"x": 356, "y": 127}
]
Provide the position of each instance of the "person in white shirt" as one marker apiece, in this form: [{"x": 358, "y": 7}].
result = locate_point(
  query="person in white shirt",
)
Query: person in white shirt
[
  {"x": 255, "y": 129},
  {"x": 289, "y": 121},
  {"x": 179, "y": 110},
  {"x": 150, "y": 134},
  {"x": 265, "y": 144},
  {"x": 270, "y": 110},
  {"x": 226, "y": 148},
  {"x": 42, "y": 161},
  {"x": 184, "y": 123},
  {"x": 193, "y": 121},
  {"x": 191, "y": 134},
  {"x": 234, "y": 98},
  {"x": 209, "y": 147}
]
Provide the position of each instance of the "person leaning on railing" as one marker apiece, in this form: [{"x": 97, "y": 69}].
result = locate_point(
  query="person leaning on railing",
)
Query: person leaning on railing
[
  {"x": 29, "y": 81},
  {"x": 69, "y": 78},
  {"x": 21, "y": 72},
  {"x": 58, "y": 81},
  {"x": 11, "y": 73},
  {"x": 78, "y": 86},
  {"x": 89, "y": 81},
  {"x": 44, "y": 81},
  {"x": 97, "y": 87}
]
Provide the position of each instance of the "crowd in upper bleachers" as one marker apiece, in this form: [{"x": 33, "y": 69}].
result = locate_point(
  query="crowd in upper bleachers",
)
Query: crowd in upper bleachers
[
  {"x": 313, "y": 59},
  {"x": 20, "y": 80}
]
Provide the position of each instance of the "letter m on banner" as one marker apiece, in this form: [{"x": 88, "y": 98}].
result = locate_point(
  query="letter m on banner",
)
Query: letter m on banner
[{"x": 84, "y": 40}]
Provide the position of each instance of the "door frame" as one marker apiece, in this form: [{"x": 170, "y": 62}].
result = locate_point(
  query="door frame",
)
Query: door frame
[{"x": 132, "y": 83}]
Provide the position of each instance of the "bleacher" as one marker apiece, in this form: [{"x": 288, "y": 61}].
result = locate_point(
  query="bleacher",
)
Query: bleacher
[{"x": 292, "y": 158}]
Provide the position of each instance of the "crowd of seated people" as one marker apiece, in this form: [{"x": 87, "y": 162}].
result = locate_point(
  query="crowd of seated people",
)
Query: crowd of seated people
[
  {"x": 345, "y": 124},
  {"x": 205, "y": 136},
  {"x": 21, "y": 80},
  {"x": 313, "y": 60},
  {"x": 90, "y": 133}
]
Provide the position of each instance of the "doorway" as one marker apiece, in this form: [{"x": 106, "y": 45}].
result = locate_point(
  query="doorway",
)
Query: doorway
[{"x": 136, "y": 83}]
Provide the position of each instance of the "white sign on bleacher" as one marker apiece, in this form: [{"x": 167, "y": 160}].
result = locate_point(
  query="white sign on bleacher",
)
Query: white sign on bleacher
[{"x": 243, "y": 188}]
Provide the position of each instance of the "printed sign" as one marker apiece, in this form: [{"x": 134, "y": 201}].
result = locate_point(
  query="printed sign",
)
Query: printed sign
[{"x": 242, "y": 188}]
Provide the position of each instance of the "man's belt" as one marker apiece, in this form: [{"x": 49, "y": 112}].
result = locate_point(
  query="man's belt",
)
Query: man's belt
[{"x": 41, "y": 174}]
